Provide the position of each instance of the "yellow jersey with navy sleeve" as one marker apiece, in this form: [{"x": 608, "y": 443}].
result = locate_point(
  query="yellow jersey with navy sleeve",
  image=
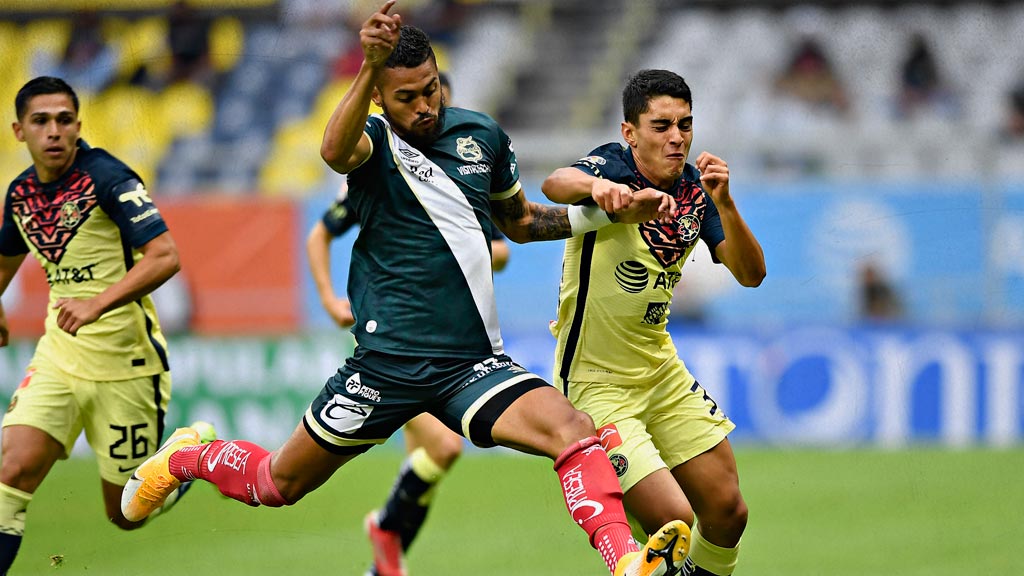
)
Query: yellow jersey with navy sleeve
[
  {"x": 85, "y": 229},
  {"x": 617, "y": 281}
]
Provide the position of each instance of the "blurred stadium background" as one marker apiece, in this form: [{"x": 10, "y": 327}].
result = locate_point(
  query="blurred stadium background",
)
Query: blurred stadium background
[{"x": 876, "y": 148}]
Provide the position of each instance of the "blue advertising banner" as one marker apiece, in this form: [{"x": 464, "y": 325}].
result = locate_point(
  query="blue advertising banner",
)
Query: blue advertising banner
[
  {"x": 822, "y": 386},
  {"x": 838, "y": 387}
]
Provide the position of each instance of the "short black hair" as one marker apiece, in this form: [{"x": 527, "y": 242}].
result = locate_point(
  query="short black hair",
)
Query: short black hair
[
  {"x": 42, "y": 85},
  {"x": 413, "y": 49},
  {"x": 648, "y": 84}
]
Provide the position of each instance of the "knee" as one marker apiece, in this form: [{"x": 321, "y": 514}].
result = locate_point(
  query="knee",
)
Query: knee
[
  {"x": 21, "y": 474},
  {"x": 731, "y": 514},
  {"x": 447, "y": 451},
  {"x": 577, "y": 426}
]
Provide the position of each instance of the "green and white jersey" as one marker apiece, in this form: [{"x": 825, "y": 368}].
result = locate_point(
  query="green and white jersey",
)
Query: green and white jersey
[{"x": 420, "y": 281}]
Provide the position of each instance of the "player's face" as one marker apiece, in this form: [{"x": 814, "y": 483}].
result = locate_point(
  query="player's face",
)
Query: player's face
[
  {"x": 412, "y": 101},
  {"x": 50, "y": 129},
  {"x": 661, "y": 140}
]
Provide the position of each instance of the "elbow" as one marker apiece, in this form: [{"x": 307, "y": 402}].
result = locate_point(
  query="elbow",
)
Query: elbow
[
  {"x": 754, "y": 278},
  {"x": 173, "y": 263},
  {"x": 549, "y": 185},
  {"x": 553, "y": 185},
  {"x": 333, "y": 158},
  {"x": 518, "y": 235}
]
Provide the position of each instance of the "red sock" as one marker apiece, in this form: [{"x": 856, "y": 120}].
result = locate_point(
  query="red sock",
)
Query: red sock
[
  {"x": 239, "y": 469},
  {"x": 594, "y": 499}
]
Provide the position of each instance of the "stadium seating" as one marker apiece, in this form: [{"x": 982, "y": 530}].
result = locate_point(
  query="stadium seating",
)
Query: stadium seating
[{"x": 551, "y": 72}]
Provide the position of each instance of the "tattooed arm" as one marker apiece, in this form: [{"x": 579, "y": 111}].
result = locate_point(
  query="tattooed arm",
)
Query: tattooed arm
[{"x": 524, "y": 221}]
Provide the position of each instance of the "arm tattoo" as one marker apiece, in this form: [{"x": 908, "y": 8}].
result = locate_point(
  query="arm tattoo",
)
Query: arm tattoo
[
  {"x": 549, "y": 222},
  {"x": 533, "y": 221}
]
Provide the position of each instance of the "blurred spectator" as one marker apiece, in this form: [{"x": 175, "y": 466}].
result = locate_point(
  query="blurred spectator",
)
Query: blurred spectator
[
  {"x": 88, "y": 62},
  {"x": 188, "y": 38},
  {"x": 922, "y": 88},
  {"x": 810, "y": 80},
  {"x": 1013, "y": 128},
  {"x": 879, "y": 300}
]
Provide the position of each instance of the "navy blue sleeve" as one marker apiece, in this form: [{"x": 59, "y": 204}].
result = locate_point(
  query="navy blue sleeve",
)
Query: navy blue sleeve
[
  {"x": 11, "y": 241},
  {"x": 606, "y": 162},
  {"x": 339, "y": 217},
  {"x": 711, "y": 231},
  {"x": 128, "y": 204}
]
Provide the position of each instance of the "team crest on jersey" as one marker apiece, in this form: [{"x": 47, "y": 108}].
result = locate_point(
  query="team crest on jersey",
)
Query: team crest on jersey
[
  {"x": 51, "y": 223},
  {"x": 70, "y": 215},
  {"x": 620, "y": 463},
  {"x": 689, "y": 227},
  {"x": 669, "y": 243},
  {"x": 468, "y": 149}
]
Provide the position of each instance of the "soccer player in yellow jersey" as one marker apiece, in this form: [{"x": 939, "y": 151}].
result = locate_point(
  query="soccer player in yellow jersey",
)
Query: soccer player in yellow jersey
[
  {"x": 615, "y": 359},
  {"x": 101, "y": 365}
]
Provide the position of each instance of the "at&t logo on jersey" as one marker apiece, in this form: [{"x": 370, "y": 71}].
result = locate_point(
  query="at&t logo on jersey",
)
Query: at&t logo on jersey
[
  {"x": 354, "y": 386},
  {"x": 631, "y": 276}
]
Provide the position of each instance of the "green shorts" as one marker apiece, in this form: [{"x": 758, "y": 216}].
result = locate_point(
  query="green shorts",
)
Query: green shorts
[
  {"x": 375, "y": 393},
  {"x": 662, "y": 424},
  {"x": 123, "y": 420}
]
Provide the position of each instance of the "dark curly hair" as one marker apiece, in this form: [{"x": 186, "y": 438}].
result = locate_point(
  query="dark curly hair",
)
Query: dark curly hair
[
  {"x": 38, "y": 86},
  {"x": 648, "y": 84},
  {"x": 412, "y": 50}
]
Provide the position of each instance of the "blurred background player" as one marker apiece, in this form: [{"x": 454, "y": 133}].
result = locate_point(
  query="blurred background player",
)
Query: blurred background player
[
  {"x": 615, "y": 358},
  {"x": 102, "y": 363},
  {"x": 423, "y": 181},
  {"x": 431, "y": 446}
]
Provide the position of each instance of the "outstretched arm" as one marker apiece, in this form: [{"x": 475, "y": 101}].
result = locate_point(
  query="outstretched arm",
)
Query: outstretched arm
[
  {"x": 159, "y": 262},
  {"x": 740, "y": 251},
  {"x": 345, "y": 146},
  {"x": 524, "y": 221},
  {"x": 318, "y": 250}
]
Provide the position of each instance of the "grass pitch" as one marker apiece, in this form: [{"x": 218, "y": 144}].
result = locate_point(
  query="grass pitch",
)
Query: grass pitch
[{"x": 908, "y": 513}]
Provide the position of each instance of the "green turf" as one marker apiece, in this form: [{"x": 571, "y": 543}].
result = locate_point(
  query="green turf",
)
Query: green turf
[{"x": 812, "y": 513}]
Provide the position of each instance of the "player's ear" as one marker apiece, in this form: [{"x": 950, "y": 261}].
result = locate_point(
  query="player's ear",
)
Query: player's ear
[
  {"x": 375, "y": 97},
  {"x": 629, "y": 134},
  {"x": 18, "y": 132}
]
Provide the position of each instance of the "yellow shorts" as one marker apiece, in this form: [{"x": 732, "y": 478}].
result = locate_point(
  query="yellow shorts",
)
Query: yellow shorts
[
  {"x": 660, "y": 424},
  {"x": 123, "y": 420}
]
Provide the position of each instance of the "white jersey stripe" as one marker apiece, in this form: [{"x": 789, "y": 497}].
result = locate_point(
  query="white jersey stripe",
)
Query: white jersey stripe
[{"x": 451, "y": 213}]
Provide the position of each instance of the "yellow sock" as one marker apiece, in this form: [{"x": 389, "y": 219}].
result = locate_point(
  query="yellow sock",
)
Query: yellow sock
[
  {"x": 13, "y": 504},
  {"x": 429, "y": 471},
  {"x": 712, "y": 558}
]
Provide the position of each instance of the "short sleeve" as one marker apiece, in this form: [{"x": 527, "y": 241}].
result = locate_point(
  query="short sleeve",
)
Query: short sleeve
[
  {"x": 128, "y": 204},
  {"x": 505, "y": 182},
  {"x": 11, "y": 241}
]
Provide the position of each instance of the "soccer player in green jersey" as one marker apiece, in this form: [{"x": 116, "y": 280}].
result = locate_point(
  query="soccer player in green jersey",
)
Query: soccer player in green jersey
[
  {"x": 424, "y": 181},
  {"x": 101, "y": 365},
  {"x": 432, "y": 447},
  {"x": 615, "y": 359}
]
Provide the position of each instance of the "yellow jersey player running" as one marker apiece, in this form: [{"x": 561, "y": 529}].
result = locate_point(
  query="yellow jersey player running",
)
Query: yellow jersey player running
[
  {"x": 101, "y": 365},
  {"x": 615, "y": 358}
]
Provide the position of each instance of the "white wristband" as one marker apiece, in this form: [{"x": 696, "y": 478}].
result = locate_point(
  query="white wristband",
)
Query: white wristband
[{"x": 583, "y": 219}]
